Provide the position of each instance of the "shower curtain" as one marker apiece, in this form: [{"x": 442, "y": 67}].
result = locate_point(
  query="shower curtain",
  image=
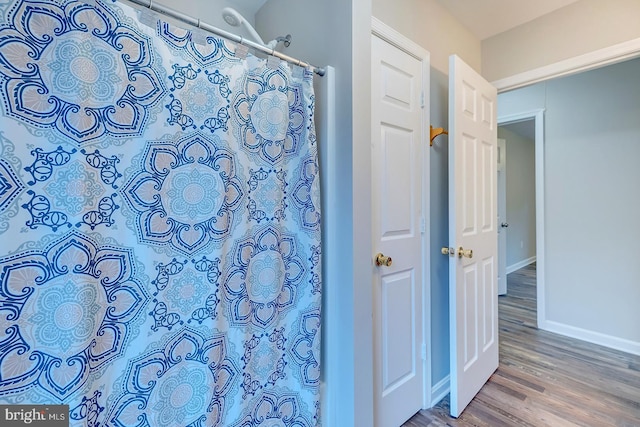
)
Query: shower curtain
[{"x": 159, "y": 223}]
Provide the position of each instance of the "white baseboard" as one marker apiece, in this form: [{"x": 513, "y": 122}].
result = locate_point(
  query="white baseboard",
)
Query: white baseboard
[
  {"x": 440, "y": 390},
  {"x": 592, "y": 337},
  {"x": 518, "y": 265}
]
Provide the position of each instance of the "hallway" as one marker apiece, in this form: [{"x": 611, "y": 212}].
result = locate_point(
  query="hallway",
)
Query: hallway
[{"x": 546, "y": 379}]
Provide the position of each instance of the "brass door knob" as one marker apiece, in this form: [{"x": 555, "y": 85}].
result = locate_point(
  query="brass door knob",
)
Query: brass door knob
[
  {"x": 447, "y": 251},
  {"x": 381, "y": 259},
  {"x": 467, "y": 253}
]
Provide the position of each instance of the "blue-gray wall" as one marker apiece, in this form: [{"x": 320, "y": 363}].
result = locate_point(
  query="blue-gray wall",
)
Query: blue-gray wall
[
  {"x": 439, "y": 220},
  {"x": 521, "y": 193}
]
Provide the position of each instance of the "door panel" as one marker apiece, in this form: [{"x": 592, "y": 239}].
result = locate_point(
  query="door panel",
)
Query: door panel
[
  {"x": 398, "y": 319},
  {"x": 397, "y": 144},
  {"x": 472, "y": 233},
  {"x": 469, "y": 200},
  {"x": 488, "y": 187}
]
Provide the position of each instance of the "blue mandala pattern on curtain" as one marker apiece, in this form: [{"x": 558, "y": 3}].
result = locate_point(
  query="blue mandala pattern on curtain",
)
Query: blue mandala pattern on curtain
[
  {"x": 159, "y": 208},
  {"x": 72, "y": 308},
  {"x": 214, "y": 51},
  {"x": 269, "y": 115},
  {"x": 77, "y": 69}
]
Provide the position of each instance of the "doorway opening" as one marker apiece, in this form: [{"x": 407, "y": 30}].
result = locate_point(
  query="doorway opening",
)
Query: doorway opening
[
  {"x": 516, "y": 198},
  {"x": 523, "y": 223}
]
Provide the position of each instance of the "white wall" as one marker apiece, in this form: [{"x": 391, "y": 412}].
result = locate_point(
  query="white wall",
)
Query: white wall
[
  {"x": 521, "y": 196},
  {"x": 579, "y": 28},
  {"x": 336, "y": 33},
  {"x": 431, "y": 26},
  {"x": 592, "y": 147}
]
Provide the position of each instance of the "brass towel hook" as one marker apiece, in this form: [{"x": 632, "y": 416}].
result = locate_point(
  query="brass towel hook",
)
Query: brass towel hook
[{"x": 436, "y": 132}]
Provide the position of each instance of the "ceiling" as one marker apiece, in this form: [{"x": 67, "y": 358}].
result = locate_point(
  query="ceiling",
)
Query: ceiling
[{"x": 486, "y": 18}]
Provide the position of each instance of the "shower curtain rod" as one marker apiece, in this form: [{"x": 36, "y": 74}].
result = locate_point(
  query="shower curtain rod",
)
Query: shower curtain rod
[{"x": 149, "y": 4}]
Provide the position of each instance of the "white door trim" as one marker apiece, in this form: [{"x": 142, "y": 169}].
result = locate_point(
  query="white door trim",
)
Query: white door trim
[
  {"x": 538, "y": 116},
  {"x": 331, "y": 272},
  {"x": 393, "y": 37},
  {"x": 588, "y": 61}
]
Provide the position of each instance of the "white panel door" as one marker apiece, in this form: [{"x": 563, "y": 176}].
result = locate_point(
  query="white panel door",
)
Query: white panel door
[
  {"x": 502, "y": 217},
  {"x": 473, "y": 293},
  {"x": 397, "y": 144}
]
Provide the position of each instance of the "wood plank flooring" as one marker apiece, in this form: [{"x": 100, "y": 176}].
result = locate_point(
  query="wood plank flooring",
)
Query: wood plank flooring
[{"x": 546, "y": 379}]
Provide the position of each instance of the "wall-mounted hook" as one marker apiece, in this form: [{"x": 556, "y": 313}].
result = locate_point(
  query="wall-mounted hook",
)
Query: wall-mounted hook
[{"x": 435, "y": 132}]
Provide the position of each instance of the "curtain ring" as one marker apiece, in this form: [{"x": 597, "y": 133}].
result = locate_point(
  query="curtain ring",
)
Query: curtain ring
[
  {"x": 150, "y": 4},
  {"x": 198, "y": 22}
]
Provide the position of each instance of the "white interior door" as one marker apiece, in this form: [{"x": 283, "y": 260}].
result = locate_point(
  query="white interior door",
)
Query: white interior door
[
  {"x": 473, "y": 294},
  {"x": 502, "y": 217},
  {"x": 397, "y": 147}
]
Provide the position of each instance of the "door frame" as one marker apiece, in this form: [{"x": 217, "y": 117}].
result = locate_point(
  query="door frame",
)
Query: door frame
[
  {"x": 396, "y": 39},
  {"x": 595, "y": 59},
  {"x": 502, "y": 208},
  {"x": 591, "y": 60},
  {"x": 538, "y": 117}
]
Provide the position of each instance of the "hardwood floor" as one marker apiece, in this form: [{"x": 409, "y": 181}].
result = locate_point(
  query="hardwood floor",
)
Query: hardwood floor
[{"x": 546, "y": 379}]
